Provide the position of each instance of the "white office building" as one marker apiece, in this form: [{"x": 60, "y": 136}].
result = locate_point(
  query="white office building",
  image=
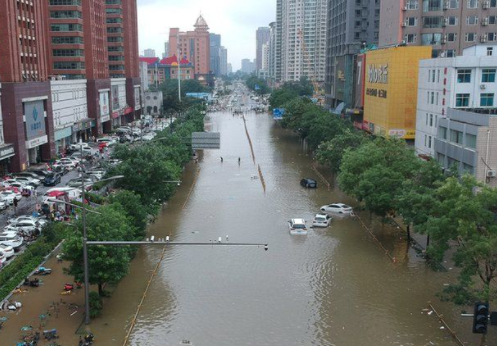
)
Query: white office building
[
  {"x": 303, "y": 20},
  {"x": 466, "y": 82}
]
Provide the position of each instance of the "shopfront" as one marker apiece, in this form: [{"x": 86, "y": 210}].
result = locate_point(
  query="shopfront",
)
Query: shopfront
[
  {"x": 62, "y": 139},
  {"x": 104, "y": 107},
  {"x": 81, "y": 131}
]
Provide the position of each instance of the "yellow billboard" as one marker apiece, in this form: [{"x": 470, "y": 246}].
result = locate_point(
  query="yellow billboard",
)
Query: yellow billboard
[{"x": 391, "y": 90}]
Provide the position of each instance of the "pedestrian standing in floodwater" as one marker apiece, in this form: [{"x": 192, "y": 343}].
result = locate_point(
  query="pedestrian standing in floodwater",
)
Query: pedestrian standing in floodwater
[
  {"x": 222, "y": 159},
  {"x": 238, "y": 160}
]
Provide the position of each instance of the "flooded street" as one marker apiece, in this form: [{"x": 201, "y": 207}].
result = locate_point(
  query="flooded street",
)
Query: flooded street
[{"x": 334, "y": 286}]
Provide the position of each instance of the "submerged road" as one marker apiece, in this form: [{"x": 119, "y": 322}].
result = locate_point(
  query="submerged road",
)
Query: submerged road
[{"x": 334, "y": 286}]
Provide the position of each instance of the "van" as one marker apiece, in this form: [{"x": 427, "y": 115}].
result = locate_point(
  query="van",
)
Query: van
[{"x": 70, "y": 192}]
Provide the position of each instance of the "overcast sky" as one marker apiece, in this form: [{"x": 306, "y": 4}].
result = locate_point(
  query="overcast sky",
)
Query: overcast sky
[{"x": 235, "y": 20}]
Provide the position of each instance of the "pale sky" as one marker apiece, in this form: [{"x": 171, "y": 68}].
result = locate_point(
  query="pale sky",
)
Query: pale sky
[{"x": 235, "y": 20}]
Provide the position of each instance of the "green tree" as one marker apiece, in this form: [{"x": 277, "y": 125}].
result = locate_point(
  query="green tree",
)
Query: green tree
[
  {"x": 107, "y": 264},
  {"x": 170, "y": 94},
  {"x": 330, "y": 153},
  {"x": 134, "y": 209},
  {"x": 375, "y": 171},
  {"x": 256, "y": 84}
]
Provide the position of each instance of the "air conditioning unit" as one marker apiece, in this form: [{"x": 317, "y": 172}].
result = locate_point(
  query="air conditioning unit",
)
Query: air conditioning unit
[
  {"x": 445, "y": 21},
  {"x": 405, "y": 8},
  {"x": 485, "y": 5},
  {"x": 446, "y": 5},
  {"x": 443, "y": 41},
  {"x": 483, "y": 38},
  {"x": 491, "y": 173},
  {"x": 483, "y": 86},
  {"x": 484, "y": 21},
  {"x": 404, "y": 23}
]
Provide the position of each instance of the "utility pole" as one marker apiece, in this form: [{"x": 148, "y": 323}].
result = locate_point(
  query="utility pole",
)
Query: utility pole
[{"x": 85, "y": 249}]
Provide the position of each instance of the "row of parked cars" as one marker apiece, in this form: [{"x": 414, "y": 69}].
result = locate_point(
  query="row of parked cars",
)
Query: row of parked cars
[{"x": 20, "y": 230}]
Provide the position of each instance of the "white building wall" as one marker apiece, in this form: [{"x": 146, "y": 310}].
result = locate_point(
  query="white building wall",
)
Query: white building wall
[
  {"x": 447, "y": 88},
  {"x": 69, "y": 102}
]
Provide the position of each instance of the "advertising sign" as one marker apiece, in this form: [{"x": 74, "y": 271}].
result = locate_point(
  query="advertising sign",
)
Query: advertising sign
[
  {"x": 35, "y": 119},
  {"x": 104, "y": 106},
  {"x": 115, "y": 97},
  {"x": 137, "y": 98}
]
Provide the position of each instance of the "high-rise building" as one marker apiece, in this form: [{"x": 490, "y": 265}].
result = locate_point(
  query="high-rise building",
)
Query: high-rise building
[
  {"x": 303, "y": 39},
  {"x": 351, "y": 25},
  {"x": 272, "y": 52},
  {"x": 261, "y": 38},
  {"x": 194, "y": 46},
  {"x": 224, "y": 62},
  {"x": 278, "y": 37},
  {"x": 166, "y": 50},
  {"x": 448, "y": 26},
  {"x": 215, "y": 53},
  {"x": 230, "y": 68},
  {"x": 122, "y": 31},
  {"x": 248, "y": 66},
  {"x": 149, "y": 53}
]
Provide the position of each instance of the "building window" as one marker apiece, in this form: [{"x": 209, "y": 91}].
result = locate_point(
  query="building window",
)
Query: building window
[
  {"x": 464, "y": 76},
  {"x": 490, "y": 51},
  {"x": 487, "y": 100},
  {"x": 429, "y": 142},
  {"x": 472, "y": 3},
  {"x": 488, "y": 75},
  {"x": 468, "y": 168},
  {"x": 68, "y": 52},
  {"x": 432, "y": 22},
  {"x": 491, "y": 37},
  {"x": 67, "y": 40},
  {"x": 432, "y": 5},
  {"x": 453, "y": 4},
  {"x": 66, "y": 14},
  {"x": 430, "y": 39},
  {"x": 65, "y": 2},
  {"x": 450, "y": 53},
  {"x": 442, "y": 132},
  {"x": 431, "y": 119},
  {"x": 412, "y": 4},
  {"x": 412, "y": 21},
  {"x": 470, "y": 37},
  {"x": 451, "y": 20},
  {"x": 471, "y": 20},
  {"x": 491, "y": 20},
  {"x": 66, "y": 65},
  {"x": 493, "y": 3},
  {"x": 438, "y": 76},
  {"x": 411, "y": 38},
  {"x": 456, "y": 136},
  {"x": 462, "y": 100},
  {"x": 451, "y": 37},
  {"x": 432, "y": 99},
  {"x": 470, "y": 141}
]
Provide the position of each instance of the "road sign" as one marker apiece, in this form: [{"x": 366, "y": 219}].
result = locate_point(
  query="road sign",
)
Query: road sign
[
  {"x": 206, "y": 140},
  {"x": 278, "y": 113}
]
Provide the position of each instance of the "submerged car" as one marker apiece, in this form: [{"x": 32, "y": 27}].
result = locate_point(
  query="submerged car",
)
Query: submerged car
[
  {"x": 321, "y": 220},
  {"x": 297, "y": 227},
  {"x": 338, "y": 208},
  {"x": 309, "y": 183}
]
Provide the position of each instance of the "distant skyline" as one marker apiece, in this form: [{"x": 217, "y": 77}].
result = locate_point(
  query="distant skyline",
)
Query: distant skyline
[{"x": 235, "y": 21}]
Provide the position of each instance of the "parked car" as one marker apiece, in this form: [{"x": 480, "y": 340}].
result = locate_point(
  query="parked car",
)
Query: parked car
[
  {"x": 297, "y": 226},
  {"x": 26, "y": 226},
  {"x": 77, "y": 183},
  {"x": 19, "y": 219},
  {"x": 77, "y": 146},
  {"x": 52, "y": 179},
  {"x": 338, "y": 208},
  {"x": 321, "y": 220},
  {"x": 40, "y": 172},
  {"x": 28, "y": 181},
  {"x": 3, "y": 205},
  {"x": 7, "y": 250},
  {"x": 67, "y": 162},
  {"x": 309, "y": 183},
  {"x": 9, "y": 196},
  {"x": 97, "y": 174},
  {"x": 32, "y": 175},
  {"x": 107, "y": 140},
  {"x": 58, "y": 168}
]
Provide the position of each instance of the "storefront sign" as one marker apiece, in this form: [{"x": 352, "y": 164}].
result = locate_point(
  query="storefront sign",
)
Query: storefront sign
[
  {"x": 7, "y": 151},
  {"x": 115, "y": 97},
  {"x": 376, "y": 92},
  {"x": 33, "y": 143},
  {"x": 137, "y": 98},
  {"x": 128, "y": 110},
  {"x": 378, "y": 74},
  {"x": 35, "y": 119},
  {"x": 85, "y": 124},
  {"x": 64, "y": 133}
]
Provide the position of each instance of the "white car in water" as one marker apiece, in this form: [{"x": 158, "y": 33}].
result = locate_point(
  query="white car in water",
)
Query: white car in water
[
  {"x": 338, "y": 208},
  {"x": 7, "y": 250},
  {"x": 297, "y": 227},
  {"x": 321, "y": 220}
]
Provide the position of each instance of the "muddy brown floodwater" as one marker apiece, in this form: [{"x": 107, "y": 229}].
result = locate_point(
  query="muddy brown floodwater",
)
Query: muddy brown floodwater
[{"x": 334, "y": 286}]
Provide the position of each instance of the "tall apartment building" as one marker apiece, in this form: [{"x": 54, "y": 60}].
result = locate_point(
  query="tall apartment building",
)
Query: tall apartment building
[
  {"x": 248, "y": 66},
  {"x": 261, "y": 38},
  {"x": 448, "y": 26},
  {"x": 194, "y": 46},
  {"x": 352, "y": 24},
  {"x": 149, "y": 53},
  {"x": 215, "y": 53},
  {"x": 272, "y": 52},
  {"x": 278, "y": 38},
  {"x": 303, "y": 39}
]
